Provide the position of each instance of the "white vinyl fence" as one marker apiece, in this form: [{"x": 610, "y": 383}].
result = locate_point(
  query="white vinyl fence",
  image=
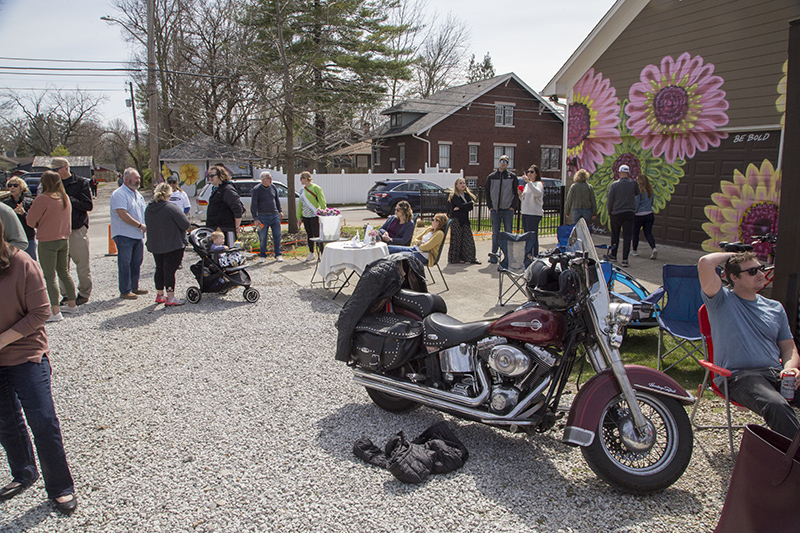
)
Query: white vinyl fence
[{"x": 353, "y": 188}]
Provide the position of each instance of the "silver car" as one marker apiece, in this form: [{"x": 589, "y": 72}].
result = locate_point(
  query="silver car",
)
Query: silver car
[{"x": 244, "y": 187}]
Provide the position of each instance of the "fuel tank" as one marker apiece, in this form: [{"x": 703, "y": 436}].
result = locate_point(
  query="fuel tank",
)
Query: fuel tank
[{"x": 533, "y": 324}]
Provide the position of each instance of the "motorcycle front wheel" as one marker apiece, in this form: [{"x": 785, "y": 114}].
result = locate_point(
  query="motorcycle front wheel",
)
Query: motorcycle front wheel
[
  {"x": 641, "y": 466},
  {"x": 391, "y": 403}
]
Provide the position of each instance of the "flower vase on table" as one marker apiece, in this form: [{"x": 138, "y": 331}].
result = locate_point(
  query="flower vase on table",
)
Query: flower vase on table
[{"x": 330, "y": 224}]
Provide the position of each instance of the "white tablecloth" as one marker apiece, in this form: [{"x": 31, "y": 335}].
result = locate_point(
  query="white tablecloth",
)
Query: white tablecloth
[{"x": 337, "y": 258}]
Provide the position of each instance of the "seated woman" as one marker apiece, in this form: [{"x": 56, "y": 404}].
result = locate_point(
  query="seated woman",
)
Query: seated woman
[
  {"x": 426, "y": 245},
  {"x": 399, "y": 228}
]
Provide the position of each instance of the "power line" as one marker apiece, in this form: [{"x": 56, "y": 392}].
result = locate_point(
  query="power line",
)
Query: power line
[{"x": 60, "y": 60}]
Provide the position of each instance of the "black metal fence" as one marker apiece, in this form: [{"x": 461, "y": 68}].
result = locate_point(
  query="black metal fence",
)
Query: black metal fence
[{"x": 433, "y": 202}]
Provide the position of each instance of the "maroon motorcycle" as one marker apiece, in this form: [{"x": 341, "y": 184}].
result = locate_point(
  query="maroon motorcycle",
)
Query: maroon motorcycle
[{"x": 511, "y": 373}]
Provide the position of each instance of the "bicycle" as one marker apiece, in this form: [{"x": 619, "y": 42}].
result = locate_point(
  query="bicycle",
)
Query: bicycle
[{"x": 769, "y": 238}]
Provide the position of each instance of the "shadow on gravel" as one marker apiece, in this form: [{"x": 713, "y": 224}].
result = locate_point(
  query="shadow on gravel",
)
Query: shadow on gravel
[
  {"x": 32, "y": 517},
  {"x": 320, "y": 300}
]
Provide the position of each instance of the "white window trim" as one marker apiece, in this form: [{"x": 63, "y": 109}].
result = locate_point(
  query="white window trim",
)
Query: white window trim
[
  {"x": 450, "y": 155},
  {"x": 401, "y": 161},
  {"x": 504, "y": 104},
  {"x": 469, "y": 146}
]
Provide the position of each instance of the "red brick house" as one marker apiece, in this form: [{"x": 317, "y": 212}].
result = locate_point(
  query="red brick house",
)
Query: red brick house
[{"x": 468, "y": 128}]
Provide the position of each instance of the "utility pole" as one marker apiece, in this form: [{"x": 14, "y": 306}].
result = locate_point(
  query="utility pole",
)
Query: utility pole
[
  {"x": 133, "y": 109},
  {"x": 152, "y": 96}
]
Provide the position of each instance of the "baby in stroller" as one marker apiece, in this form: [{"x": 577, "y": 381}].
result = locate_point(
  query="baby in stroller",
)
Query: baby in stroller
[
  {"x": 224, "y": 258},
  {"x": 219, "y": 269}
]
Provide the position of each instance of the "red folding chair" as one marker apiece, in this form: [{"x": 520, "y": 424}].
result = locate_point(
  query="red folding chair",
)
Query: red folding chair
[{"x": 708, "y": 364}]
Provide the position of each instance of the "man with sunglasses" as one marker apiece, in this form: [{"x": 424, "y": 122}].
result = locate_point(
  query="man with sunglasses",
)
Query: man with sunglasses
[{"x": 751, "y": 337}]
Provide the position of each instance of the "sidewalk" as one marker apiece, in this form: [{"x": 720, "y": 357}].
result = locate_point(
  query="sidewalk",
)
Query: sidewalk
[{"x": 474, "y": 288}]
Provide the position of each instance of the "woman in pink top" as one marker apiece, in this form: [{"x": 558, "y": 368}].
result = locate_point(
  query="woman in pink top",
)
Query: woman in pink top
[
  {"x": 51, "y": 215},
  {"x": 25, "y": 384}
]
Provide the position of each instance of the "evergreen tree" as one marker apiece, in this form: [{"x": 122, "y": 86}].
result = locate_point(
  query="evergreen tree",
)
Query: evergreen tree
[{"x": 480, "y": 71}]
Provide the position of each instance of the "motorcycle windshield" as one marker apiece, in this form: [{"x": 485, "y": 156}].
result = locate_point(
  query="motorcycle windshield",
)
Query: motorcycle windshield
[{"x": 580, "y": 240}]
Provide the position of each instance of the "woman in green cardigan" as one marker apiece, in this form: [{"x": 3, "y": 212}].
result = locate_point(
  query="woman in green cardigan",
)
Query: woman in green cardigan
[{"x": 311, "y": 199}]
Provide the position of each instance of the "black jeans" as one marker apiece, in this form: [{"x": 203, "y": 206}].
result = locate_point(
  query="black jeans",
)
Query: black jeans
[
  {"x": 644, "y": 222},
  {"x": 623, "y": 221},
  {"x": 312, "y": 230},
  {"x": 166, "y": 266},
  {"x": 26, "y": 387},
  {"x": 758, "y": 389}
]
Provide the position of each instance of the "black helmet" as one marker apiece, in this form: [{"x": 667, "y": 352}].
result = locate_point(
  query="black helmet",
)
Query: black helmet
[{"x": 552, "y": 287}]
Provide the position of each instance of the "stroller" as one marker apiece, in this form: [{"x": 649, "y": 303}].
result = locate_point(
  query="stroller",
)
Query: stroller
[{"x": 214, "y": 275}]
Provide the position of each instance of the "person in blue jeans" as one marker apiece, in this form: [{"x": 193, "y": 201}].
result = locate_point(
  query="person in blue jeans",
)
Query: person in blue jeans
[
  {"x": 25, "y": 384},
  {"x": 128, "y": 230},
  {"x": 266, "y": 208},
  {"x": 501, "y": 194}
]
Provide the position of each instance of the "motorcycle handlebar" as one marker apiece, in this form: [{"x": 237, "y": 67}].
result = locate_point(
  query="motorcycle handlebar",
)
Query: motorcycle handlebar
[{"x": 736, "y": 247}]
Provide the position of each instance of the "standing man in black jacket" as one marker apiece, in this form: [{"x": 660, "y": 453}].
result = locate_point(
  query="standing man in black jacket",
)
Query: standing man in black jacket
[
  {"x": 501, "y": 190},
  {"x": 621, "y": 209},
  {"x": 80, "y": 196}
]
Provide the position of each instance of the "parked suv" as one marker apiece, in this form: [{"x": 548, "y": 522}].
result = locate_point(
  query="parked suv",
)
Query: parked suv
[
  {"x": 244, "y": 186},
  {"x": 385, "y": 195},
  {"x": 32, "y": 181}
]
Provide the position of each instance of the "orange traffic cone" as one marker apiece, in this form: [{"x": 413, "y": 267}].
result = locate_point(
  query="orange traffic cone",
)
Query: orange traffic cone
[{"x": 112, "y": 246}]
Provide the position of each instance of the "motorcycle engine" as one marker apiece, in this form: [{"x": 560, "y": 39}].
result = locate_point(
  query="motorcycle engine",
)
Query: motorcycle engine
[{"x": 509, "y": 361}]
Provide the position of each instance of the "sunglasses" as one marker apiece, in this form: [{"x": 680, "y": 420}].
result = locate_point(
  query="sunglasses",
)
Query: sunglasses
[
  {"x": 755, "y": 270},
  {"x": 12, "y": 185},
  {"x": 212, "y": 175}
]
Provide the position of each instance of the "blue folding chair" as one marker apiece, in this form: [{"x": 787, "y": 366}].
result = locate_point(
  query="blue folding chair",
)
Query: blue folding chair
[
  {"x": 679, "y": 317},
  {"x": 516, "y": 253},
  {"x": 562, "y": 234},
  {"x": 623, "y": 287}
]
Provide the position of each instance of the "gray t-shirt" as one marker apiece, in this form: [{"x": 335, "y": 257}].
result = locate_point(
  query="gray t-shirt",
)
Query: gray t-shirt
[{"x": 746, "y": 332}]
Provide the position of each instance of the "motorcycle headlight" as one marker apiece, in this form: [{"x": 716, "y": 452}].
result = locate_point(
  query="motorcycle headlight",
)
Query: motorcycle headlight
[{"x": 619, "y": 313}]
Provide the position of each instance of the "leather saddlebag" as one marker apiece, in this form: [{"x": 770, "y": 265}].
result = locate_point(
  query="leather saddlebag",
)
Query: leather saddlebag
[{"x": 384, "y": 341}]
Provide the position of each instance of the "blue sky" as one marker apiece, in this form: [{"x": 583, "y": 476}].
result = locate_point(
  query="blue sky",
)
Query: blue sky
[{"x": 532, "y": 38}]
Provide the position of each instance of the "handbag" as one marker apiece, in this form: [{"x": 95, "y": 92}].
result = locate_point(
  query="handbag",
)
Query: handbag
[{"x": 765, "y": 485}]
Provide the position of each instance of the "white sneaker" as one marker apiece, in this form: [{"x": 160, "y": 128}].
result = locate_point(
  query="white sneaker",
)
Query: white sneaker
[
  {"x": 279, "y": 259},
  {"x": 69, "y": 310},
  {"x": 261, "y": 260},
  {"x": 654, "y": 255},
  {"x": 635, "y": 253},
  {"x": 310, "y": 256},
  {"x": 55, "y": 318}
]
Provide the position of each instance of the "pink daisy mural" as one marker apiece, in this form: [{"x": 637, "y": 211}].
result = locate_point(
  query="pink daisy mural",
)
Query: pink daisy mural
[
  {"x": 593, "y": 121},
  {"x": 678, "y": 108}
]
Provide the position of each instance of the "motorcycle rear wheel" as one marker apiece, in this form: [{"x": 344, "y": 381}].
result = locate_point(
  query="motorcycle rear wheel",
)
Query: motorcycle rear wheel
[
  {"x": 391, "y": 403},
  {"x": 644, "y": 471}
]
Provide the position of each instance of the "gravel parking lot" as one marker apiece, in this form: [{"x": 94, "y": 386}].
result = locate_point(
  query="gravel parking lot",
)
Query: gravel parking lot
[{"x": 229, "y": 416}]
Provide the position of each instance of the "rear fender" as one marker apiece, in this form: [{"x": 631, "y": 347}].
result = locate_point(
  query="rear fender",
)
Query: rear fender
[{"x": 584, "y": 415}]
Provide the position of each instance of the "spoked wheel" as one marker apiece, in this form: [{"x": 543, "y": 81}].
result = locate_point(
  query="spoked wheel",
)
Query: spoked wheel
[
  {"x": 193, "y": 294},
  {"x": 251, "y": 295},
  {"x": 391, "y": 403},
  {"x": 641, "y": 464}
]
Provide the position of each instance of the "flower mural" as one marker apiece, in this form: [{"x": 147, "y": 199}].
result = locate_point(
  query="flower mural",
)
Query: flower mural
[
  {"x": 780, "y": 103},
  {"x": 663, "y": 176},
  {"x": 166, "y": 172},
  {"x": 746, "y": 207},
  {"x": 677, "y": 109},
  {"x": 593, "y": 121},
  {"x": 189, "y": 174}
]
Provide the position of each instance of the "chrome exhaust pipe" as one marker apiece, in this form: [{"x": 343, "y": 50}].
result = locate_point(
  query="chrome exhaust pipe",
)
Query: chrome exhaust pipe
[
  {"x": 426, "y": 391},
  {"x": 438, "y": 401}
]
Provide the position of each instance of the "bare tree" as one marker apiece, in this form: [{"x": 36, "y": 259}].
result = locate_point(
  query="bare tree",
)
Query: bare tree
[
  {"x": 47, "y": 119},
  {"x": 440, "y": 63}
]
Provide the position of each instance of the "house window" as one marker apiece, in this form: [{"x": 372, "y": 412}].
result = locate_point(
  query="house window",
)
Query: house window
[
  {"x": 551, "y": 158},
  {"x": 376, "y": 156},
  {"x": 394, "y": 120},
  {"x": 504, "y": 150},
  {"x": 473, "y": 154},
  {"x": 401, "y": 156},
  {"x": 503, "y": 115},
  {"x": 444, "y": 156}
]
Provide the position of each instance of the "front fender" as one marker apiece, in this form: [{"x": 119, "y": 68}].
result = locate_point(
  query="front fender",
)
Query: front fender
[{"x": 584, "y": 415}]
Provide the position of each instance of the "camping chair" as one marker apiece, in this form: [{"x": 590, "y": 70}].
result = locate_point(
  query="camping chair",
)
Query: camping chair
[
  {"x": 678, "y": 318},
  {"x": 562, "y": 234},
  {"x": 436, "y": 260},
  {"x": 514, "y": 257},
  {"x": 623, "y": 287},
  {"x": 708, "y": 364}
]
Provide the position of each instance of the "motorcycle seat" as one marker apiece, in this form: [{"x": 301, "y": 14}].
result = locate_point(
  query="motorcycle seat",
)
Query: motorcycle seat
[
  {"x": 440, "y": 330},
  {"x": 421, "y": 304}
]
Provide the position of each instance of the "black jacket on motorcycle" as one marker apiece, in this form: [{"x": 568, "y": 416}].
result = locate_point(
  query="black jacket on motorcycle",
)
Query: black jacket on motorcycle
[{"x": 379, "y": 282}]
